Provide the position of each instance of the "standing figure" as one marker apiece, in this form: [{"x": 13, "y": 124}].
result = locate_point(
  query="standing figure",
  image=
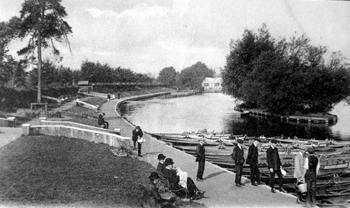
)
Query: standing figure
[
  {"x": 252, "y": 160},
  {"x": 136, "y": 134},
  {"x": 274, "y": 165},
  {"x": 238, "y": 157},
  {"x": 200, "y": 158},
  {"x": 312, "y": 166}
]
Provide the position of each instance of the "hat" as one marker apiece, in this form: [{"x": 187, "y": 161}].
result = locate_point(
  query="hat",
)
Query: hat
[
  {"x": 154, "y": 175},
  {"x": 168, "y": 161},
  {"x": 161, "y": 157},
  {"x": 274, "y": 141},
  {"x": 240, "y": 141},
  {"x": 310, "y": 150},
  {"x": 137, "y": 127}
]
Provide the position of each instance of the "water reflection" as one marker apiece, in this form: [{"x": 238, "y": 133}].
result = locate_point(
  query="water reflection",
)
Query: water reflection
[{"x": 216, "y": 112}]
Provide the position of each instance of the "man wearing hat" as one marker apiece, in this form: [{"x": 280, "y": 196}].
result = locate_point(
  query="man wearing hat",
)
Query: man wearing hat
[
  {"x": 252, "y": 160},
  {"x": 161, "y": 160},
  {"x": 136, "y": 134},
  {"x": 238, "y": 156},
  {"x": 274, "y": 165},
  {"x": 200, "y": 158},
  {"x": 311, "y": 165}
]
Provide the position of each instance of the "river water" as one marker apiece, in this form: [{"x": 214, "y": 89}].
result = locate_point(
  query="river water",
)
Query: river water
[{"x": 215, "y": 111}]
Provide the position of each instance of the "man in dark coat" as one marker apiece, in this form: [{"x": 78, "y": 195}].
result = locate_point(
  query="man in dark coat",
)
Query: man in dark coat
[
  {"x": 161, "y": 166},
  {"x": 238, "y": 156},
  {"x": 200, "y": 158},
  {"x": 310, "y": 176},
  {"x": 274, "y": 165},
  {"x": 252, "y": 160},
  {"x": 101, "y": 121},
  {"x": 136, "y": 133}
]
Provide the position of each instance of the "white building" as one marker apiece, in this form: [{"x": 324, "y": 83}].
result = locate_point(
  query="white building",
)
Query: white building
[{"x": 212, "y": 84}]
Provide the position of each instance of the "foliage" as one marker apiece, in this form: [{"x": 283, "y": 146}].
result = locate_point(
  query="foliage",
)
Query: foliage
[
  {"x": 97, "y": 72},
  {"x": 283, "y": 76},
  {"x": 193, "y": 76},
  {"x": 43, "y": 22},
  {"x": 52, "y": 75},
  {"x": 167, "y": 76},
  {"x": 12, "y": 99}
]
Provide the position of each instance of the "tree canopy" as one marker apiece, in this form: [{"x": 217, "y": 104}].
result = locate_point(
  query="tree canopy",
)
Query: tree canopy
[
  {"x": 43, "y": 22},
  {"x": 193, "y": 76},
  {"x": 167, "y": 76},
  {"x": 97, "y": 72},
  {"x": 284, "y": 76}
]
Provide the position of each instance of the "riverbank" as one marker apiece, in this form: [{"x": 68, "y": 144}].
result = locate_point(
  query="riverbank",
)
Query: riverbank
[{"x": 218, "y": 183}]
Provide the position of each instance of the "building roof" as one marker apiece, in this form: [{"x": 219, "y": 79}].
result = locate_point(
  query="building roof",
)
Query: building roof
[
  {"x": 213, "y": 79},
  {"x": 83, "y": 83}
]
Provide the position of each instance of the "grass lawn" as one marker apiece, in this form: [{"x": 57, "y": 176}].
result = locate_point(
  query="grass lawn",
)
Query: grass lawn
[
  {"x": 56, "y": 170},
  {"x": 76, "y": 112}
]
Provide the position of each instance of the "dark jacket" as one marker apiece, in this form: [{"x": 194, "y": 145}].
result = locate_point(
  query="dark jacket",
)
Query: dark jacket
[
  {"x": 313, "y": 163},
  {"x": 253, "y": 154},
  {"x": 238, "y": 155},
  {"x": 100, "y": 120},
  {"x": 160, "y": 167},
  {"x": 200, "y": 153},
  {"x": 172, "y": 178},
  {"x": 136, "y": 134},
  {"x": 273, "y": 158}
]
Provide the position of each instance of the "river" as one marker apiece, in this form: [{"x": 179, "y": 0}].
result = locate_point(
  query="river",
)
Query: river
[{"x": 215, "y": 111}]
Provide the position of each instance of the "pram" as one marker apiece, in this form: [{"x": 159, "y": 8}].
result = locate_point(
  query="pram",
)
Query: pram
[{"x": 301, "y": 190}]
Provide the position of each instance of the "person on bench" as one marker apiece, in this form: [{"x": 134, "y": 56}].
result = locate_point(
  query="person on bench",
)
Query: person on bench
[
  {"x": 101, "y": 121},
  {"x": 179, "y": 183}
]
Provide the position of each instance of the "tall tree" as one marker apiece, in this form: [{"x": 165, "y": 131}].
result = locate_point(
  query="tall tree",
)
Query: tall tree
[
  {"x": 167, "y": 76},
  {"x": 43, "y": 21}
]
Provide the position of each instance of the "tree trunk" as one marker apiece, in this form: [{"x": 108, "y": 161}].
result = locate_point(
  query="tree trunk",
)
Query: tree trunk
[{"x": 39, "y": 68}]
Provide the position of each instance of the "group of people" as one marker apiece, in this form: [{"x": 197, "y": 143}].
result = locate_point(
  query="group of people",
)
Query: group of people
[
  {"x": 171, "y": 182},
  {"x": 310, "y": 165}
]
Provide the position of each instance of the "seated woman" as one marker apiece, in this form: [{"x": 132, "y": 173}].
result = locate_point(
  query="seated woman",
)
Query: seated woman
[{"x": 184, "y": 187}]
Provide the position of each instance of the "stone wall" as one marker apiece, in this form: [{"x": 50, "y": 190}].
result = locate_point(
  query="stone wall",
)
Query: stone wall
[{"x": 110, "y": 139}]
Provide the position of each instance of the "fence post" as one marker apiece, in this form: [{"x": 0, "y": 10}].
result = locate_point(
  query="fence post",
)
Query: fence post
[{"x": 25, "y": 129}]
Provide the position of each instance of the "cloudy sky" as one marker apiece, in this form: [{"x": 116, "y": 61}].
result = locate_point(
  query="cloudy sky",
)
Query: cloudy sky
[{"x": 147, "y": 35}]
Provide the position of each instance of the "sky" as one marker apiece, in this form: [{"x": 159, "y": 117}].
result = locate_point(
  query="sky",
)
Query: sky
[{"x": 148, "y": 35}]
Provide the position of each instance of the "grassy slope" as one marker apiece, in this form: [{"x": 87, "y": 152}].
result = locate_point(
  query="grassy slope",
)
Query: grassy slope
[{"x": 62, "y": 170}]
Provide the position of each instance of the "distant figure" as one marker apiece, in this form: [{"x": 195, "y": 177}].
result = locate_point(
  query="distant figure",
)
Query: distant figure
[
  {"x": 200, "y": 158},
  {"x": 101, "y": 121},
  {"x": 108, "y": 97},
  {"x": 274, "y": 165},
  {"x": 238, "y": 157},
  {"x": 137, "y": 134},
  {"x": 312, "y": 166},
  {"x": 118, "y": 95},
  {"x": 252, "y": 160}
]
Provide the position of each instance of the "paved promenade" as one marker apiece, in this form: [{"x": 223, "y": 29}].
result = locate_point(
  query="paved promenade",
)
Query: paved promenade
[{"x": 218, "y": 182}]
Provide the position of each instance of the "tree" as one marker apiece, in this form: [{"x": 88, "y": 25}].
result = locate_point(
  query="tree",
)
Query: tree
[
  {"x": 167, "y": 76},
  {"x": 7, "y": 62},
  {"x": 284, "y": 77},
  {"x": 43, "y": 21},
  {"x": 193, "y": 76}
]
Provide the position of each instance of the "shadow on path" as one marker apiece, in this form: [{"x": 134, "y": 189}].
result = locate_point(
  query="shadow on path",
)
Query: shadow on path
[{"x": 213, "y": 175}]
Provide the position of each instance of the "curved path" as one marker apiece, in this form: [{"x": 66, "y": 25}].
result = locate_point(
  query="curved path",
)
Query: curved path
[{"x": 218, "y": 182}]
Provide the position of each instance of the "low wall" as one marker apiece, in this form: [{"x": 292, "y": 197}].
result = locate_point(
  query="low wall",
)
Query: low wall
[
  {"x": 110, "y": 139},
  {"x": 79, "y": 125},
  {"x": 8, "y": 122}
]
